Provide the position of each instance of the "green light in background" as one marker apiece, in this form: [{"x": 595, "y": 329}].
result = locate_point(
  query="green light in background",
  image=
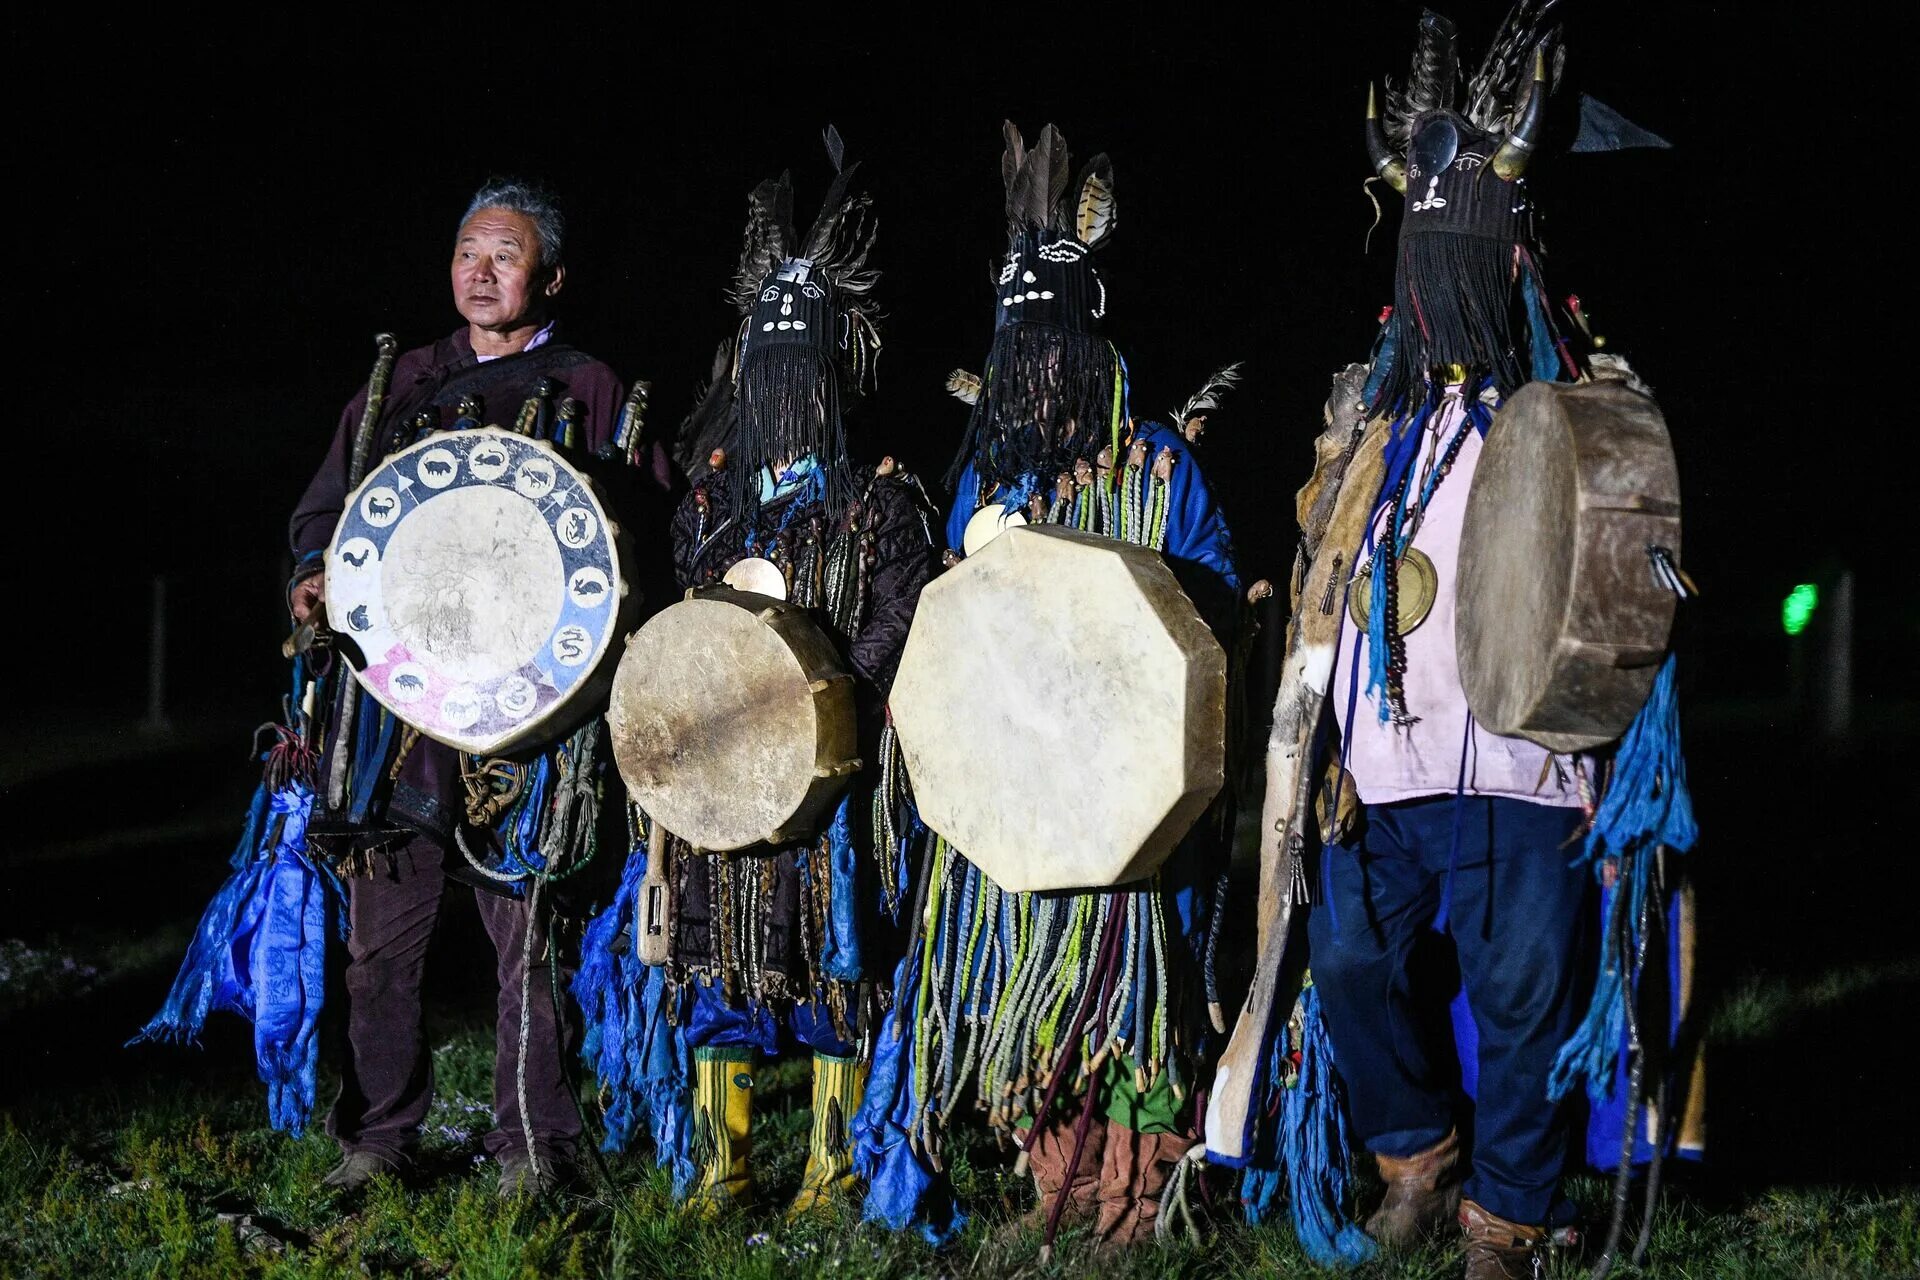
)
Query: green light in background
[{"x": 1797, "y": 609}]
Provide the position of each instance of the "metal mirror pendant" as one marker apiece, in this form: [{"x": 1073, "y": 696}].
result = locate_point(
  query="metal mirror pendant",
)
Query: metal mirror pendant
[{"x": 1419, "y": 584}]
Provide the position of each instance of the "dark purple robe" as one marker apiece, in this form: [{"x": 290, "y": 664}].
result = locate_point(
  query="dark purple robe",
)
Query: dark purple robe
[{"x": 427, "y": 794}]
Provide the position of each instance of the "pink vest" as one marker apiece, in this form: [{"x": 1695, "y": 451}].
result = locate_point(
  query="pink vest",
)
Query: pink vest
[{"x": 1392, "y": 762}]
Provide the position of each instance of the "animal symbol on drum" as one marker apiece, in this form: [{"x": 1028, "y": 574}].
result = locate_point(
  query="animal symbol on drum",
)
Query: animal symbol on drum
[
  {"x": 516, "y": 697},
  {"x": 489, "y": 462},
  {"x": 357, "y": 561},
  {"x": 357, "y": 553},
  {"x": 380, "y": 507},
  {"x": 577, "y": 527},
  {"x": 534, "y": 480},
  {"x": 587, "y": 587},
  {"x": 572, "y": 644},
  {"x": 436, "y": 468},
  {"x": 461, "y": 708},
  {"x": 407, "y": 683},
  {"x": 358, "y": 618}
]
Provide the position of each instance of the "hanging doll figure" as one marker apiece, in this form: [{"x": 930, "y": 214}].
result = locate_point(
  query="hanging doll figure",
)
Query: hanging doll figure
[
  {"x": 781, "y": 949},
  {"x": 1429, "y": 823},
  {"x": 1051, "y": 437}
]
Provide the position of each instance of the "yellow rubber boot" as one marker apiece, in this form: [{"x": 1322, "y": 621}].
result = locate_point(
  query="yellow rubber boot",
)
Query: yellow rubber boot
[
  {"x": 838, "y": 1086},
  {"x": 723, "y": 1109}
]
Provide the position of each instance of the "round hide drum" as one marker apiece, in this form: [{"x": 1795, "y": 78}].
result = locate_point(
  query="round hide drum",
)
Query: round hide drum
[
  {"x": 1062, "y": 709},
  {"x": 1563, "y": 615},
  {"x": 479, "y": 576},
  {"x": 732, "y": 722}
]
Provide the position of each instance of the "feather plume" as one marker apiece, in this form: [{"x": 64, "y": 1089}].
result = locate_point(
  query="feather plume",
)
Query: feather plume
[
  {"x": 836, "y": 149},
  {"x": 1011, "y": 159},
  {"x": 1433, "y": 83},
  {"x": 1207, "y": 398},
  {"x": 1096, "y": 218},
  {"x": 964, "y": 386},
  {"x": 769, "y": 231},
  {"x": 1508, "y": 64}
]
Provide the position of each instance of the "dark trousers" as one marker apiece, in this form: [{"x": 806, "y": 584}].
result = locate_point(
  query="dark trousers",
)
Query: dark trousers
[
  {"x": 1516, "y": 914},
  {"x": 387, "y": 1086}
]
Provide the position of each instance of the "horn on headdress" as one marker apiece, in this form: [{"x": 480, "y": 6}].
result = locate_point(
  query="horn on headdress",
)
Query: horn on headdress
[
  {"x": 1385, "y": 163},
  {"x": 1510, "y": 161}
]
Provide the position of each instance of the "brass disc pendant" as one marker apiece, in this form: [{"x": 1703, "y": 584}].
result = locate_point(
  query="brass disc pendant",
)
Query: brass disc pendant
[{"x": 1419, "y": 583}]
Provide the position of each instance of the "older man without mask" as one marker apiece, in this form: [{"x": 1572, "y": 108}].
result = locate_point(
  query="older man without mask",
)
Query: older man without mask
[{"x": 506, "y": 273}]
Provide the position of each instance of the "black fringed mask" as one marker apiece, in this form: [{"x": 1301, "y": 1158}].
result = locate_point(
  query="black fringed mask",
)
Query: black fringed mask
[
  {"x": 1051, "y": 382},
  {"x": 792, "y": 306},
  {"x": 1049, "y": 278}
]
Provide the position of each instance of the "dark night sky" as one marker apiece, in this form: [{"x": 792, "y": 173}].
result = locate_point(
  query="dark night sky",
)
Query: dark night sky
[{"x": 214, "y": 225}]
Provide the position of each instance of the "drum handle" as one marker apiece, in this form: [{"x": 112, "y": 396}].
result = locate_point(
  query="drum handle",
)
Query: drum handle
[
  {"x": 824, "y": 683},
  {"x": 654, "y": 933}
]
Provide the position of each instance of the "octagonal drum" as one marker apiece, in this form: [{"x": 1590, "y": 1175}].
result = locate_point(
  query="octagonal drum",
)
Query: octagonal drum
[
  {"x": 731, "y": 720},
  {"x": 1062, "y": 709},
  {"x": 1563, "y": 614},
  {"x": 480, "y": 578}
]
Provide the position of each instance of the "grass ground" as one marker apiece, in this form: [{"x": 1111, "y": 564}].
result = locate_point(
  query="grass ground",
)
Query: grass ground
[
  {"x": 174, "y": 1173},
  {"x": 158, "y": 1161}
]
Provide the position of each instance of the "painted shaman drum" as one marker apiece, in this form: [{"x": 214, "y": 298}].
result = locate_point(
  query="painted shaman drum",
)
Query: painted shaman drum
[
  {"x": 479, "y": 576},
  {"x": 1062, "y": 709},
  {"x": 1563, "y": 615},
  {"x": 732, "y": 721}
]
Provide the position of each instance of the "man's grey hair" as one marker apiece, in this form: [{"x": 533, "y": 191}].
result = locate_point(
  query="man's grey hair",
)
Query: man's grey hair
[{"x": 530, "y": 200}]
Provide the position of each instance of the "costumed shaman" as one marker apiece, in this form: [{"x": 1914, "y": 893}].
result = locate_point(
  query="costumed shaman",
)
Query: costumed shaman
[
  {"x": 472, "y": 569},
  {"x": 1431, "y": 819},
  {"x": 780, "y": 942},
  {"x": 1073, "y": 1018}
]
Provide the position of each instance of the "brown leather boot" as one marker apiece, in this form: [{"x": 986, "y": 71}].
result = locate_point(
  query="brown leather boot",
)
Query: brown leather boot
[
  {"x": 1423, "y": 1194},
  {"x": 1047, "y": 1159},
  {"x": 1132, "y": 1175},
  {"x": 1502, "y": 1250}
]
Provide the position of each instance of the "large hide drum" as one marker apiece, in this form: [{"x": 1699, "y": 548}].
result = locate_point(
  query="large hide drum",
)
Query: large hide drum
[
  {"x": 1563, "y": 615},
  {"x": 732, "y": 722},
  {"x": 1062, "y": 709},
  {"x": 478, "y": 574}
]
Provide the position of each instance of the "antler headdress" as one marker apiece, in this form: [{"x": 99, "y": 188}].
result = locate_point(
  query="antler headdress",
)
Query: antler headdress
[{"x": 1465, "y": 236}]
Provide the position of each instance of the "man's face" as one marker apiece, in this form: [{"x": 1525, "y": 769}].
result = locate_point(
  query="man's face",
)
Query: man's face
[{"x": 498, "y": 282}]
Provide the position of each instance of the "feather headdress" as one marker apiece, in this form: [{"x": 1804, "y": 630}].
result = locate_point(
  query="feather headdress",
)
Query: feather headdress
[{"x": 807, "y": 340}]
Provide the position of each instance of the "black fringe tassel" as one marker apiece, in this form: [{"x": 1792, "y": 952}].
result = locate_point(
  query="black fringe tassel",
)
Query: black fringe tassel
[
  {"x": 1455, "y": 302},
  {"x": 789, "y": 406},
  {"x": 1046, "y": 401}
]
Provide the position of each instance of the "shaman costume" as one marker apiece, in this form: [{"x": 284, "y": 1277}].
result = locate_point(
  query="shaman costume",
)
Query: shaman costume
[
  {"x": 987, "y": 995},
  {"x": 391, "y": 813},
  {"x": 785, "y": 943},
  {"x": 1430, "y": 822}
]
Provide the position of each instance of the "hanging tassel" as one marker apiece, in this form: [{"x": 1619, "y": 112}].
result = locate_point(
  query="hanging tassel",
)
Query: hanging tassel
[
  {"x": 1646, "y": 806},
  {"x": 260, "y": 952},
  {"x": 472, "y": 409},
  {"x": 566, "y": 426},
  {"x": 635, "y": 1041},
  {"x": 1308, "y": 1145},
  {"x": 534, "y": 409}
]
